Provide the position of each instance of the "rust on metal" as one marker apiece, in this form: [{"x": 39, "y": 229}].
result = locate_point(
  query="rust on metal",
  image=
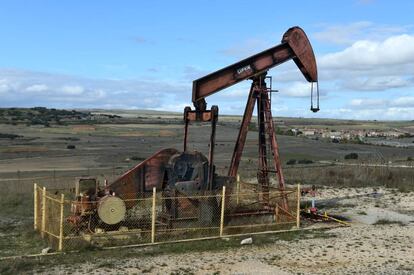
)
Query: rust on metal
[
  {"x": 143, "y": 177},
  {"x": 295, "y": 45},
  {"x": 303, "y": 52},
  {"x": 244, "y": 128}
]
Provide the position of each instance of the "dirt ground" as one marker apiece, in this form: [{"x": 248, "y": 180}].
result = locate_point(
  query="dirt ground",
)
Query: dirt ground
[{"x": 361, "y": 249}]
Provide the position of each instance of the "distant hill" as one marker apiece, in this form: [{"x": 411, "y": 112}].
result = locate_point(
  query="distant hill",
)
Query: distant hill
[
  {"x": 51, "y": 116},
  {"x": 40, "y": 116}
]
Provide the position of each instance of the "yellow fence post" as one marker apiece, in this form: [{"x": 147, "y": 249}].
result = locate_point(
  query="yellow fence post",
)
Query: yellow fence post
[
  {"x": 62, "y": 202},
  {"x": 43, "y": 212},
  {"x": 35, "y": 206},
  {"x": 154, "y": 193},
  {"x": 298, "y": 208},
  {"x": 223, "y": 199},
  {"x": 237, "y": 189}
]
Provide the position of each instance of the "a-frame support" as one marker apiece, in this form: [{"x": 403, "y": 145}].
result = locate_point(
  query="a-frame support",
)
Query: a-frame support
[{"x": 259, "y": 93}]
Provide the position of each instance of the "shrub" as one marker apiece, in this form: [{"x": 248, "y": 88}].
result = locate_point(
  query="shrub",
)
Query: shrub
[
  {"x": 9, "y": 136},
  {"x": 279, "y": 131},
  {"x": 385, "y": 221},
  {"x": 70, "y": 138},
  {"x": 252, "y": 126},
  {"x": 289, "y": 132},
  {"x": 403, "y": 189},
  {"x": 291, "y": 162},
  {"x": 351, "y": 156},
  {"x": 305, "y": 161}
]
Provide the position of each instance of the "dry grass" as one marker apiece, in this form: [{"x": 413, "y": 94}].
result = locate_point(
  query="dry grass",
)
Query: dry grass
[
  {"x": 353, "y": 176},
  {"x": 83, "y": 128}
]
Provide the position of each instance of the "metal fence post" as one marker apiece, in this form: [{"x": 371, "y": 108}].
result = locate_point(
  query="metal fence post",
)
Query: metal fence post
[
  {"x": 154, "y": 193},
  {"x": 42, "y": 232},
  {"x": 237, "y": 189},
  {"x": 62, "y": 202},
  {"x": 35, "y": 206},
  {"x": 298, "y": 208},
  {"x": 223, "y": 199}
]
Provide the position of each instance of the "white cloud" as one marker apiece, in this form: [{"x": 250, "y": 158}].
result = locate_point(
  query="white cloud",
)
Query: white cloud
[
  {"x": 72, "y": 90},
  {"x": 405, "y": 101},
  {"x": 5, "y": 86},
  {"x": 367, "y": 54},
  {"x": 237, "y": 93},
  {"x": 397, "y": 113},
  {"x": 385, "y": 108},
  {"x": 37, "y": 88},
  {"x": 346, "y": 34},
  {"x": 341, "y": 34},
  {"x": 379, "y": 113},
  {"x": 369, "y": 65},
  {"x": 381, "y": 83},
  {"x": 28, "y": 88},
  {"x": 297, "y": 89},
  {"x": 368, "y": 103}
]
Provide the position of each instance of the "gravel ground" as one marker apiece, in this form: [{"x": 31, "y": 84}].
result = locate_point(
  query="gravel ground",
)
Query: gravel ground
[{"x": 360, "y": 249}]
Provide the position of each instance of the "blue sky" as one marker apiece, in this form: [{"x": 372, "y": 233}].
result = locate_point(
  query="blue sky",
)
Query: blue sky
[{"x": 145, "y": 55}]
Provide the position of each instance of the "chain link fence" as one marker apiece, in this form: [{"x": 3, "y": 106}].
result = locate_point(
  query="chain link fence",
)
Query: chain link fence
[{"x": 69, "y": 224}]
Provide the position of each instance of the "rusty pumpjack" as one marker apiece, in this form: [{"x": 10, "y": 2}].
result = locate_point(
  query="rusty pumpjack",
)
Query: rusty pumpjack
[
  {"x": 191, "y": 173},
  {"x": 295, "y": 45}
]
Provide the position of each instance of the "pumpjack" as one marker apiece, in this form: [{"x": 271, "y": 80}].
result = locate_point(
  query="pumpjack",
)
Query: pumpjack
[{"x": 191, "y": 173}]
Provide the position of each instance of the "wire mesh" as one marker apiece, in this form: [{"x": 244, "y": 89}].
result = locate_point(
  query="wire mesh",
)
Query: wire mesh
[
  {"x": 247, "y": 212},
  {"x": 51, "y": 215},
  {"x": 73, "y": 223},
  {"x": 85, "y": 228},
  {"x": 187, "y": 217}
]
